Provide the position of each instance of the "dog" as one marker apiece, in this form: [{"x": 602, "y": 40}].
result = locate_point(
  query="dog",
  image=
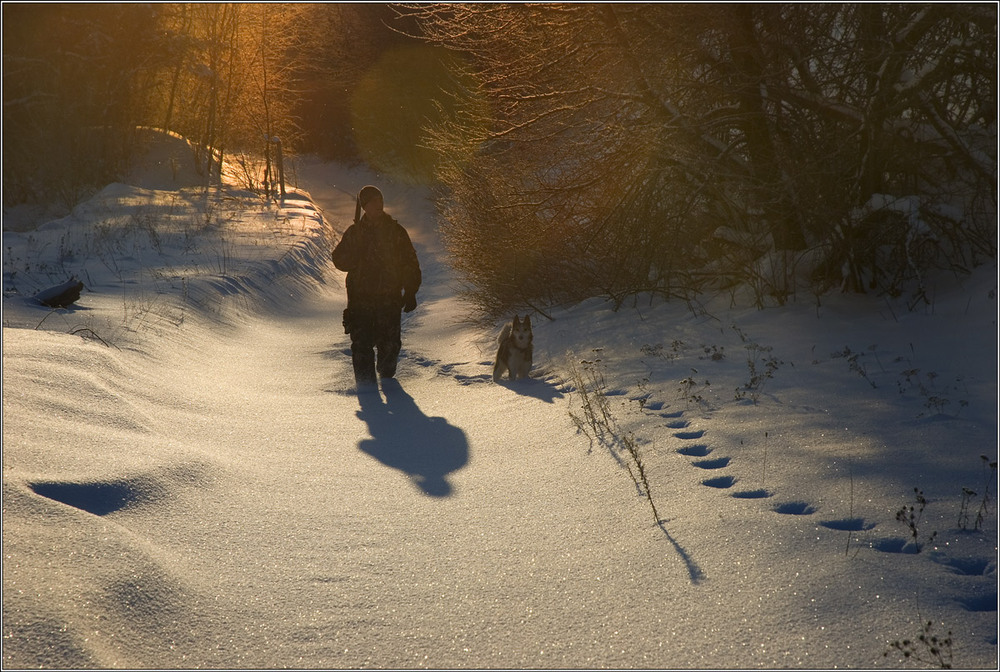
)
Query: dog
[{"x": 515, "y": 349}]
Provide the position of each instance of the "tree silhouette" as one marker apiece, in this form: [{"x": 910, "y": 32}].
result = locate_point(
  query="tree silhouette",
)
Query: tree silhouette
[{"x": 680, "y": 148}]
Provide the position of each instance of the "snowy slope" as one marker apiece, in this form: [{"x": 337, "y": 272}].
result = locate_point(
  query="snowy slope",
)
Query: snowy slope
[{"x": 190, "y": 480}]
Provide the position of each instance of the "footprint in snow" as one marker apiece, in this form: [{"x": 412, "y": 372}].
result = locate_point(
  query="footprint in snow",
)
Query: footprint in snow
[
  {"x": 795, "y": 509},
  {"x": 722, "y": 482},
  {"x": 696, "y": 434},
  {"x": 967, "y": 566},
  {"x": 472, "y": 380},
  {"x": 753, "y": 494},
  {"x": 848, "y": 524},
  {"x": 418, "y": 359},
  {"x": 698, "y": 450},
  {"x": 980, "y": 602},
  {"x": 717, "y": 463}
]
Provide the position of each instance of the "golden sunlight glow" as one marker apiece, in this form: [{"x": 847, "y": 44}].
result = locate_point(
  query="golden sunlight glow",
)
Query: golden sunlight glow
[{"x": 405, "y": 91}]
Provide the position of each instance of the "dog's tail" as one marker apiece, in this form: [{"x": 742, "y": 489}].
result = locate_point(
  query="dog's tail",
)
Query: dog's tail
[{"x": 504, "y": 334}]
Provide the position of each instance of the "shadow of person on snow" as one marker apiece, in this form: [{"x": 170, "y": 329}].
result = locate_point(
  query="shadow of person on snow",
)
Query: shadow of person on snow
[{"x": 402, "y": 437}]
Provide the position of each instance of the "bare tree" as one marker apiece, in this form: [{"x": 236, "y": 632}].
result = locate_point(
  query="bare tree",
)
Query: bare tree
[
  {"x": 76, "y": 80},
  {"x": 267, "y": 60},
  {"x": 238, "y": 75},
  {"x": 79, "y": 78},
  {"x": 673, "y": 148}
]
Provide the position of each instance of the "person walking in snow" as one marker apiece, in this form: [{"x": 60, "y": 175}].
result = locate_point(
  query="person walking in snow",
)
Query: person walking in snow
[{"x": 383, "y": 276}]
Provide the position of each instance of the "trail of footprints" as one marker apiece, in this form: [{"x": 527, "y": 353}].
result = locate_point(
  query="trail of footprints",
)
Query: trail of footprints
[
  {"x": 700, "y": 452},
  {"x": 702, "y": 457}
]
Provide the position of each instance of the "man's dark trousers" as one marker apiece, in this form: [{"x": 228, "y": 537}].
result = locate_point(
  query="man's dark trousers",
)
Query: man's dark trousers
[{"x": 375, "y": 327}]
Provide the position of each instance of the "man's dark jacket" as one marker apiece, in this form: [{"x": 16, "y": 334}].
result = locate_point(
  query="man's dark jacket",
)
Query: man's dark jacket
[{"x": 380, "y": 262}]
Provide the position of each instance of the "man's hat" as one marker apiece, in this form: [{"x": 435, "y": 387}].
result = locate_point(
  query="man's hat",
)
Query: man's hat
[{"x": 366, "y": 194}]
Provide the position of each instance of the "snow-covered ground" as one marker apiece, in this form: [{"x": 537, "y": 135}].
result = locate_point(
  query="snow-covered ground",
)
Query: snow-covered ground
[{"x": 190, "y": 479}]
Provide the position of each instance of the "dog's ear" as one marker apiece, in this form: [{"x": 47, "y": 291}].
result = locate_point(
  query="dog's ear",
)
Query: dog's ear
[
  {"x": 517, "y": 321},
  {"x": 527, "y": 321}
]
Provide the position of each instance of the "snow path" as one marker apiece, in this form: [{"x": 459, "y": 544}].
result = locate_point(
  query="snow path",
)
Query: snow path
[
  {"x": 436, "y": 523},
  {"x": 442, "y": 505},
  {"x": 263, "y": 516}
]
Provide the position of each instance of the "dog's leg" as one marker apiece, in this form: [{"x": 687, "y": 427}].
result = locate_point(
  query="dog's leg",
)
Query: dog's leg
[
  {"x": 501, "y": 365},
  {"x": 503, "y": 353},
  {"x": 498, "y": 369},
  {"x": 514, "y": 364}
]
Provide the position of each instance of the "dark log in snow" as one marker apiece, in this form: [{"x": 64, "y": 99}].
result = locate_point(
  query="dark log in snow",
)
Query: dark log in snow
[{"x": 62, "y": 295}]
